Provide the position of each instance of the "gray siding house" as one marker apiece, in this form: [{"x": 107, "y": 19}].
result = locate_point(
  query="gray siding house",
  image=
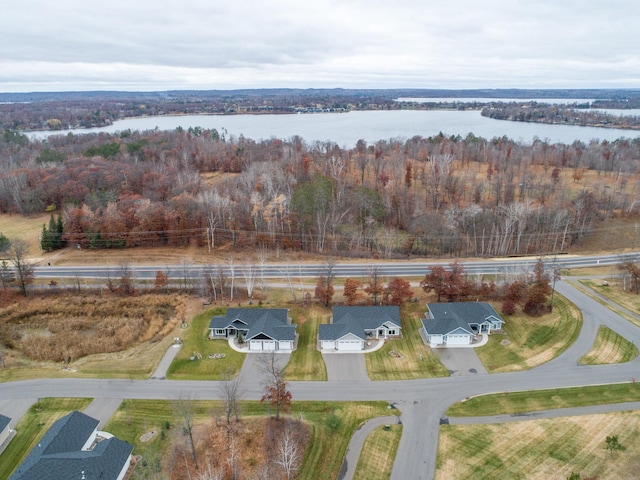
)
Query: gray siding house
[
  {"x": 264, "y": 329},
  {"x": 456, "y": 323},
  {"x": 351, "y": 327}
]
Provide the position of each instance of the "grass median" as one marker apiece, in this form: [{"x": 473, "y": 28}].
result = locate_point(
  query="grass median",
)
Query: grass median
[
  {"x": 608, "y": 348},
  {"x": 536, "y": 400}
]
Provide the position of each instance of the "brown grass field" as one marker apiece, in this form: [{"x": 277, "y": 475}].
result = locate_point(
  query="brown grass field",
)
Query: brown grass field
[
  {"x": 103, "y": 336},
  {"x": 541, "y": 449}
]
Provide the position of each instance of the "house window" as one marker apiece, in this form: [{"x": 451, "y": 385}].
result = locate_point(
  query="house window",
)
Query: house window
[
  {"x": 220, "y": 331},
  {"x": 392, "y": 332}
]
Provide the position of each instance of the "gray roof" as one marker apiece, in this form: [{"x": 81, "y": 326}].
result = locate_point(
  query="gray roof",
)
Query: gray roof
[
  {"x": 272, "y": 322},
  {"x": 356, "y": 320},
  {"x": 470, "y": 312},
  {"x": 4, "y": 422},
  {"x": 58, "y": 455},
  {"x": 444, "y": 325}
]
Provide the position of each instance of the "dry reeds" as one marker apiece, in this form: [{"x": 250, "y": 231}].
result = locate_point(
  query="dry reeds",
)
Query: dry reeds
[{"x": 70, "y": 327}]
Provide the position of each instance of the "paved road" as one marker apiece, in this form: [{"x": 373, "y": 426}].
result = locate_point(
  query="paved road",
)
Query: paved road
[{"x": 422, "y": 402}]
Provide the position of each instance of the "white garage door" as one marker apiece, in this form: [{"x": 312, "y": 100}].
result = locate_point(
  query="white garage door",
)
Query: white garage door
[
  {"x": 457, "y": 339},
  {"x": 255, "y": 345},
  {"x": 269, "y": 345},
  {"x": 350, "y": 345}
]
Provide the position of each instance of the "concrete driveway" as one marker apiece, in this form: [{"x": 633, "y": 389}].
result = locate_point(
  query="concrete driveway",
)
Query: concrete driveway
[
  {"x": 460, "y": 361},
  {"x": 346, "y": 367}
]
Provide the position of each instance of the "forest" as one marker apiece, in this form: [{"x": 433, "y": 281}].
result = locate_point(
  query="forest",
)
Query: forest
[
  {"x": 67, "y": 110},
  {"x": 440, "y": 196},
  {"x": 580, "y": 115}
]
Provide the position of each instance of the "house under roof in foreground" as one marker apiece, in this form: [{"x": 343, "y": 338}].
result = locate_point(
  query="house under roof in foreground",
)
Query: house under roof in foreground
[{"x": 73, "y": 448}]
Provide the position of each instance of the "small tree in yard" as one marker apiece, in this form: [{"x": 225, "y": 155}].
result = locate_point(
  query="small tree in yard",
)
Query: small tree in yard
[
  {"x": 275, "y": 388},
  {"x": 612, "y": 444}
]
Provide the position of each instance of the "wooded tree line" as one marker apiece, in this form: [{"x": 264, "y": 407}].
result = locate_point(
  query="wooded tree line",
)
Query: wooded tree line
[
  {"x": 425, "y": 196},
  {"x": 548, "y": 113}
]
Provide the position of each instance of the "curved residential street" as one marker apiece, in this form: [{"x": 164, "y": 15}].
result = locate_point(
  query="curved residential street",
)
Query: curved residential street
[{"x": 422, "y": 403}]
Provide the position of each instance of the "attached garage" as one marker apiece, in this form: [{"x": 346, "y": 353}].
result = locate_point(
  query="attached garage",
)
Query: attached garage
[
  {"x": 328, "y": 344},
  {"x": 350, "y": 345},
  {"x": 461, "y": 339},
  {"x": 262, "y": 345}
]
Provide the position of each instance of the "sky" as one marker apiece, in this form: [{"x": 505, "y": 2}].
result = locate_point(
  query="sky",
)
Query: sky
[{"x": 144, "y": 45}]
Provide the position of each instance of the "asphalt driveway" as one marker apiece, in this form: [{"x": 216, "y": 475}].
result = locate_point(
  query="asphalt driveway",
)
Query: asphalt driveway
[
  {"x": 346, "y": 367},
  {"x": 250, "y": 373},
  {"x": 460, "y": 361}
]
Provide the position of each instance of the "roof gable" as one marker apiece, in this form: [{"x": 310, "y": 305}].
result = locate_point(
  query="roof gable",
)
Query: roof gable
[{"x": 366, "y": 317}]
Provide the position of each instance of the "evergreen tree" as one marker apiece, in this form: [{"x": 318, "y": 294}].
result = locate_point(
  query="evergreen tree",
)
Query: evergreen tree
[
  {"x": 59, "y": 232},
  {"x": 46, "y": 242}
]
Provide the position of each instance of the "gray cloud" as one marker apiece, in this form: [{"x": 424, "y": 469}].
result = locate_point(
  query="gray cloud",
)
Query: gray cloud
[{"x": 72, "y": 44}]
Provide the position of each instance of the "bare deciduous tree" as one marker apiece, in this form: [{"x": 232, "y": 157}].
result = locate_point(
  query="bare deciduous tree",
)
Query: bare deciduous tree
[
  {"x": 23, "y": 268},
  {"x": 288, "y": 451},
  {"x": 185, "y": 407}
]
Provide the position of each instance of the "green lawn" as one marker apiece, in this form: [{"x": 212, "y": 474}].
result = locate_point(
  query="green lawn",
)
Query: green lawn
[
  {"x": 531, "y": 341},
  {"x": 378, "y": 454},
  {"x": 33, "y": 425},
  {"x": 322, "y": 460},
  {"x": 416, "y": 359},
  {"x": 306, "y": 361},
  {"x": 608, "y": 348},
  {"x": 195, "y": 340},
  {"x": 535, "y": 400}
]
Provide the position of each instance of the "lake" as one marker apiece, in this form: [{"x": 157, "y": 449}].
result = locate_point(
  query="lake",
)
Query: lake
[{"x": 345, "y": 129}]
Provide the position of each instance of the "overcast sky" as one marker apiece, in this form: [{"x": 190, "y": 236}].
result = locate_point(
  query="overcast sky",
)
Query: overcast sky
[{"x": 54, "y": 45}]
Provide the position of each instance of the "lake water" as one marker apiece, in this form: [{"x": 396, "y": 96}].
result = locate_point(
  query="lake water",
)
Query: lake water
[{"x": 346, "y": 129}]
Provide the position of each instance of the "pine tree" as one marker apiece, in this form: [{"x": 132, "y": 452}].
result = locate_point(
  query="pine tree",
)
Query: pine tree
[
  {"x": 59, "y": 232},
  {"x": 46, "y": 243}
]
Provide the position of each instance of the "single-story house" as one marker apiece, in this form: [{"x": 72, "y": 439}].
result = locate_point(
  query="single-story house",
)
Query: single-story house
[
  {"x": 351, "y": 327},
  {"x": 74, "y": 448},
  {"x": 456, "y": 323},
  {"x": 264, "y": 329},
  {"x": 4, "y": 428}
]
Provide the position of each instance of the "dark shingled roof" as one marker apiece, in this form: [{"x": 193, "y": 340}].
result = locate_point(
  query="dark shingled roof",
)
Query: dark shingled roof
[
  {"x": 4, "y": 421},
  {"x": 356, "y": 320},
  {"x": 58, "y": 455},
  {"x": 271, "y": 322},
  {"x": 470, "y": 312},
  {"x": 445, "y": 324},
  {"x": 449, "y": 316}
]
